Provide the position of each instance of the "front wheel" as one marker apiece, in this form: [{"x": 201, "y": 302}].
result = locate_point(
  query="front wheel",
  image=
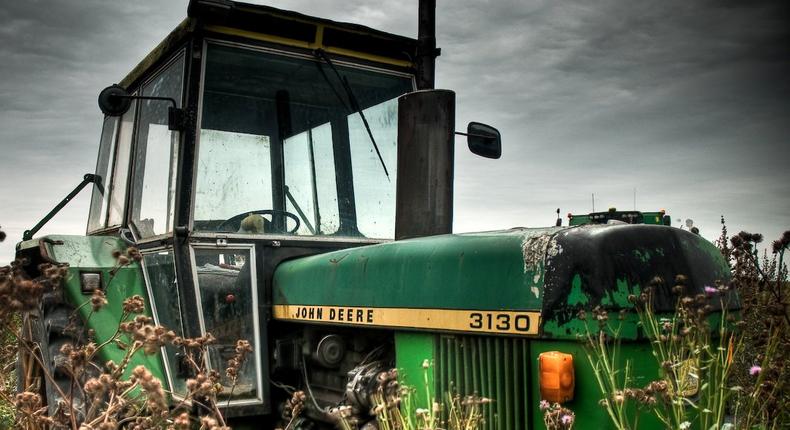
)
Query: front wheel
[{"x": 44, "y": 366}]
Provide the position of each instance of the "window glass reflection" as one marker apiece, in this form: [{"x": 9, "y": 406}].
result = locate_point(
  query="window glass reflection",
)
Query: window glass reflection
[
  {"x": 227, "y": 302},
  {"x": 153, "y": 189},
  {"x": 305, "y": 112},
  {"x": 233, "y": 178},
  {"x": 374, "y": 192},
  {"x": 166, "y": 305},
  {"x": 310, "y": 186},
  {"x": 97, "y": 219},
  {"x": 120, "y": 175}
]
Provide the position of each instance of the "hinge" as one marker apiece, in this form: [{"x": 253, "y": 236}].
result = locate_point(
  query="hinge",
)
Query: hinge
[{"x": 176, "y": 119}]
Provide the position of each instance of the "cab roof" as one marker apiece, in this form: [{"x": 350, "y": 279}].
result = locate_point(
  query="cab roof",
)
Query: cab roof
[{"x": 268, "y": 25}]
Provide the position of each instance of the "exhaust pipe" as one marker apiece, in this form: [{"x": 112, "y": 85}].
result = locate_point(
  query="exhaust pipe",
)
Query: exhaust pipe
[{"x": 424, "y": 187}]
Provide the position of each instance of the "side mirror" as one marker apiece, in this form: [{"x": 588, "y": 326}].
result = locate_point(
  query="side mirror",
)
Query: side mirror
[
  {"x": 114, "y": 100},
  {"x": 484, "y": 140}
]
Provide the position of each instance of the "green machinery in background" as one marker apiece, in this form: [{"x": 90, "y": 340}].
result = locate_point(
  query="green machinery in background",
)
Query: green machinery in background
[
  {"x": 626, "y": 217},
  {"x": 288, "y": 181}
]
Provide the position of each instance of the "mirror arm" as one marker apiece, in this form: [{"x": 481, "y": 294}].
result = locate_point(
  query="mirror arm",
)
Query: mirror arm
[
  {"x": 175, "y": 116},
  {"x": 132, "y": 97},
  {"x": 483, "y": 136}
]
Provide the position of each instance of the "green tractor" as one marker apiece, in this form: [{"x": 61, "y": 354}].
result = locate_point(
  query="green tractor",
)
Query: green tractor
[{"x": 288, "y": 180}]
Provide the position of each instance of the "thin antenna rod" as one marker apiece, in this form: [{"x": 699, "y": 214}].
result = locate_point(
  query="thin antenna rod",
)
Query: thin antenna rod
[
  {"x": 634, "y": 198},
  {"x": 593, "y": 202}
]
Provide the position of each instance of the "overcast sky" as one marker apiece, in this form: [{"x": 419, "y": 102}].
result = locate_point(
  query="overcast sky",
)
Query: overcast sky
[{"x": 686, "y": 102}]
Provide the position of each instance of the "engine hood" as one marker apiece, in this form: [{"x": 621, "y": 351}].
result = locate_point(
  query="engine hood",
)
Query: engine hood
[
  {"x": 603, "y": 264},
  {"x": 549, "y": 273}
]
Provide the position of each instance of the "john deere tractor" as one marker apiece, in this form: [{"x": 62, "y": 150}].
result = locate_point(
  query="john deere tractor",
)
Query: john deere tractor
[{"x": 288, "y": 181}]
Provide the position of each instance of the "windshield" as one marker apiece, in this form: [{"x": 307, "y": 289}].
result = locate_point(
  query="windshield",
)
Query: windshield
[{"x": 284, "y": 148}]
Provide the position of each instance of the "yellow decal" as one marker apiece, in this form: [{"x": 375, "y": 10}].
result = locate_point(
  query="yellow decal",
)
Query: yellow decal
[{"x": 503, "y": 322}]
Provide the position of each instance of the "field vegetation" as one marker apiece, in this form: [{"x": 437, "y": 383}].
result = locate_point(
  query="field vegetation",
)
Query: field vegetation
[{"x": 723, "y": 357}]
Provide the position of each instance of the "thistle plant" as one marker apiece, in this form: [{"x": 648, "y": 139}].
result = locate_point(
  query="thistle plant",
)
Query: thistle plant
[
  {"x": 763, "y": 379},
  {"x": 394, "y": 408},
  {"x": 117, "y": 394},
  {"x": 556, "y": 417},
  {"x": 602, "y": 348},
  {"x": 694, "y": 351}
]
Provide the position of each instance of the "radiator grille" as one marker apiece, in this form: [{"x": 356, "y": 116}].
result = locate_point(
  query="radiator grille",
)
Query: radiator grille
[{"x": 493, "y": 367}]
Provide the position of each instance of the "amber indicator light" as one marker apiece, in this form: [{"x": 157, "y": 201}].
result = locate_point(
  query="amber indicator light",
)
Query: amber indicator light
[{"x": 556, "y": 376}]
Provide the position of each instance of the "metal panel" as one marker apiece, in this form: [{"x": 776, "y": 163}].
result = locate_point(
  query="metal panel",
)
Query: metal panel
[{"x": 492, "y": 367}]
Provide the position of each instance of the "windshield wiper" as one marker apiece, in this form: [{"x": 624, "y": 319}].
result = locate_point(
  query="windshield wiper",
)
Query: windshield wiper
[{"x": 321, "y": 54}]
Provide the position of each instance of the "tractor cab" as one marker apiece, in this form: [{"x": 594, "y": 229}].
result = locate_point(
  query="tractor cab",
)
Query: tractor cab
[
  {"x": 249, "y": 136},
  {"x": 293, "y": 138}
]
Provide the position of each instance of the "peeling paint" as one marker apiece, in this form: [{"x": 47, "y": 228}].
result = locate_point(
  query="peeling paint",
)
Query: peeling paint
[
  {"x": 620, "y": 296},
  {"x": 538, "y": 248},
  {"x": 576, "y": 295},
  {"x": 575, "y": 328},
  {"x": 553, "y": 249},
  {"x": 534, "y": 250},
  {"x": 643, "y": 255}
]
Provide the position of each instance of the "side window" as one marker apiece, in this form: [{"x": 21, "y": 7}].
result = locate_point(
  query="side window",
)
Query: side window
[
  {"x": 160, "y": 276},
  {"x": 310, "y": 184},
  {"x": 112, "y": 169},
  {"x": 153, "y": 187},
  {"x": 120, "y": 176},
  {"x": 374, "y": 193},
  {"x": 228, "y": 305},
  {"x": 97, "y": 219}
]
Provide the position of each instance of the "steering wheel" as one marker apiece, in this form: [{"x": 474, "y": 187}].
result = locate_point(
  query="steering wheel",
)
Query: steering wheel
[{"x": 233, "y": 224}]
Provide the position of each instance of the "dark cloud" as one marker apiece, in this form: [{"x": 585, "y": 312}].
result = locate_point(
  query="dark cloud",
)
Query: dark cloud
[
  {"x": 686, "y": 102},
  {"x": 57, "y": 55}
]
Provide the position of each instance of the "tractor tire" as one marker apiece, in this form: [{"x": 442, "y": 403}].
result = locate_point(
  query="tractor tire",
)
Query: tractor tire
[{"x": 45, "y": 332}]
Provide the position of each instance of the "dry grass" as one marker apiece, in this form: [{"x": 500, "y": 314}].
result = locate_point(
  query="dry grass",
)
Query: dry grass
[{"x": 101, "y": 397}]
